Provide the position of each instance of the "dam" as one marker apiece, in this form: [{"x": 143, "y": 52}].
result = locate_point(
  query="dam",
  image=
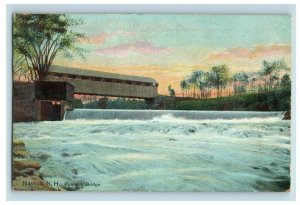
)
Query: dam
[{"x": 97, "y": 114}]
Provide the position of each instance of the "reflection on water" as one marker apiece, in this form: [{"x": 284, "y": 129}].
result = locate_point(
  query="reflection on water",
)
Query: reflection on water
[{"x": 163, "y": 153}]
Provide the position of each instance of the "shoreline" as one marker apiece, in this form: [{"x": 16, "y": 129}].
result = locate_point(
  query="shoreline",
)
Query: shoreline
[{"x": 25, "y": 171}]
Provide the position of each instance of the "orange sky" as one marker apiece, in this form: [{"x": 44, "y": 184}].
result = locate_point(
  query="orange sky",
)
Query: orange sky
[
  {"x": 169, "y": 47},
  {"x": 238, "y": 59}
]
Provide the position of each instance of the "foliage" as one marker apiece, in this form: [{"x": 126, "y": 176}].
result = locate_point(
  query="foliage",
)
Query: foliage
[
  {"x": 123, "y": 103},
  {"x": 38, "y": 38},
  {"x": 275, "y": 100},
  {"x": 218, "y": 81},
  {"x": 20, "y": 69},
  {"x": 271, "y": 72},
  {"x": 241, "y": 77},
  {"x": 219, "y": 76},
  {"x": 91, "y": 105},
  {"x": 164, "y": 102},
  {"x": 285, "y": 81},
  {"x": 194, "y": 79},
  {"x": 171, "y": 91},
  {"x": 184, "y": 85},
  {"x": 75, "y": 103},
  {"x": 241, "y": 80}
]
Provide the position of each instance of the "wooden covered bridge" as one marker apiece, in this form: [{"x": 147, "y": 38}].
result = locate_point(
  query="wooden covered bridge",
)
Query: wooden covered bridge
[
  {"x": 91, "y": 82},
  {"x": 46, "y": 100}
]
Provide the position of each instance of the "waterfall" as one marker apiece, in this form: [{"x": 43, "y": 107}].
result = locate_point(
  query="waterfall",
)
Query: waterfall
[{"x": 95, "y": 114}]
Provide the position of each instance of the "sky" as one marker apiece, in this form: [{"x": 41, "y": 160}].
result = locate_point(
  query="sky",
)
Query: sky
[{"x": 169, "y": 47}]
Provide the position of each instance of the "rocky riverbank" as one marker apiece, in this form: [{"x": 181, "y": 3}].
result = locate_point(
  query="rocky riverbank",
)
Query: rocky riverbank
[
  {"x": 287, "y": 115},
  {"x": 25, "y": 174}
]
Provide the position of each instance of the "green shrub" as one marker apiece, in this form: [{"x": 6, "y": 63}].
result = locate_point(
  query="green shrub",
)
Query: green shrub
[
  {"x": 75, "y": 103},
  {"x": 276, "y": 100}
]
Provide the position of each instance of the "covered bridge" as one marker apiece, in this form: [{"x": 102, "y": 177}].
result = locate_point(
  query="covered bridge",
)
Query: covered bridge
[
  {"x": 90, "y": 82},
  {"x": 47, "y": 100}
]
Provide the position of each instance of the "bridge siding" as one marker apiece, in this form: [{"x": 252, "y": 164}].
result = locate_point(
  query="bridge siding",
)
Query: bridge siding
[{"x": 109, "y": 88}]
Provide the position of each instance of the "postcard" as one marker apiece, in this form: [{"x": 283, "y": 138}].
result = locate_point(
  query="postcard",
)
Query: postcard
[{"x": 151, "y": 102}]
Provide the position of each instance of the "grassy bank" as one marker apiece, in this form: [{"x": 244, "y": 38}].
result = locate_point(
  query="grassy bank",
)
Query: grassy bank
[{"x": 276, "y": 100}]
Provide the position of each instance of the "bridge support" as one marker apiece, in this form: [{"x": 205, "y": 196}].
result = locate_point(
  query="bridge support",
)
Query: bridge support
[{"x": 150, "y": 102}]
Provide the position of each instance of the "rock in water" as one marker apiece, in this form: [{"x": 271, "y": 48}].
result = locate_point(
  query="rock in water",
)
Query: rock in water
[
  {"x": 19, "y": 149},
  {"x": 287, "y": 115},
  {"x": 25, "y": 164},
  {"x": 18, "y": 143},
  {"x": 65, "y": 154},
  {"x": 192, "y": 130},
  {"x": 21, "y": 153},
  {"x": 41, "y": 156}
]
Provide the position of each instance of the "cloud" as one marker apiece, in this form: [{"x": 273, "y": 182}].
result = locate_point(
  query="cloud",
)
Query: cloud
[
  {"x": 101, "y": 37},
  {"x": 123, "y": 33},
  {"x": 258, "y": 52},
  {"x": 140, "y": 47},
  {"x": 98, "y": 39}
]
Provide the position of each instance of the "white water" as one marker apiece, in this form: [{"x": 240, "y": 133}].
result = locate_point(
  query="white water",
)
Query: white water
[
  {"x": 163, "y": 154},
  {"x": 94, "y": 114}
]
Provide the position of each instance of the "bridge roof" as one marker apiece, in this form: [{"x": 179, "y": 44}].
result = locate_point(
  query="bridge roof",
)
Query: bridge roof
[{"x": 93, "y": 73}]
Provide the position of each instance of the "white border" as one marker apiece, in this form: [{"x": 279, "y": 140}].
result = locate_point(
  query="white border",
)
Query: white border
[{"x": 203, "y": 9}]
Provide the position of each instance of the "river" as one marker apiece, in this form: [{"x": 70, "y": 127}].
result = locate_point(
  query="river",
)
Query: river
[{"x": 164, "y": 151}]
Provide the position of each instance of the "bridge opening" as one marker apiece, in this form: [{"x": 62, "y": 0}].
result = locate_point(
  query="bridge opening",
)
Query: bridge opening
[{"x": 106, "y": 102}]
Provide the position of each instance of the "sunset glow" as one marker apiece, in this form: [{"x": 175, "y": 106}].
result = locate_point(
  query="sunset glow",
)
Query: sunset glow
[{"x": 169, "y": 47}]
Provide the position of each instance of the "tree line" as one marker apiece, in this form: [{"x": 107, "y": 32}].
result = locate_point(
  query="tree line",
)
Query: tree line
[{"x": 218, "y": 81}]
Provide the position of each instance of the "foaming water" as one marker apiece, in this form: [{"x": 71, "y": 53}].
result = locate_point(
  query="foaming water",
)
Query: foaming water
[
  {"x": 94, "y": 114},
  {"x": 164, "y": 153}
]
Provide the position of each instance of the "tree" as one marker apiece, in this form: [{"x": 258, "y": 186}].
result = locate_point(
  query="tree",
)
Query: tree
[
  {"x": 40, "y": 37},
  {"x": 203, "y": 83},
  {"x": 171, "y": 91},
  {"x": 285, "y": 81},
  {"x": 184, "y": 86},
  {"x": 271, "y": 72},
  {"x": 241, "y": 80},
  {"x": 20, "y": 69},
  {"x": 193, "y": 79},
  {"x": 209, "y": 84},
  {"x": 219, "y": 77}
]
